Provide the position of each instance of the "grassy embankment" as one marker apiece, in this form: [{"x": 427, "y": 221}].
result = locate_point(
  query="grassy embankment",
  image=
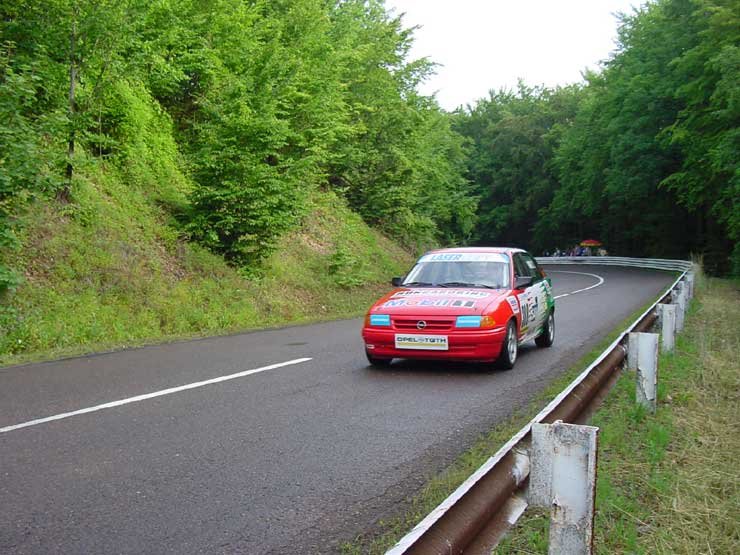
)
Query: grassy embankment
[
  {"x": 112, "y": 270},
  {"x": 666, "y": 482}
]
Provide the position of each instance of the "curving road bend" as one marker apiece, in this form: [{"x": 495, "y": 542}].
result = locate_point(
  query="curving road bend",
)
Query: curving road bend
[{"x": 259, "y": 459}]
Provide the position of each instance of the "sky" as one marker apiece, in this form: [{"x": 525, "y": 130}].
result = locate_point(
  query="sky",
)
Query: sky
[{"x": 487, "y": 45}]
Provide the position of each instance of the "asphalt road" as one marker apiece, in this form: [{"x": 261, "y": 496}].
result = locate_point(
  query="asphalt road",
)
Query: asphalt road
[{"x": 295, "y": 459}]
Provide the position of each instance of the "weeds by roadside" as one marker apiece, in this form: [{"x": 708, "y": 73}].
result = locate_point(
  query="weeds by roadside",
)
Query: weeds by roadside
[{"x": 669, "y": 483}]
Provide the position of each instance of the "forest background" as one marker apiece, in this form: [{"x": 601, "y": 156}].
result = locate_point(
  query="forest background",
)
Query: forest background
[{"x": 178, "y": 136}]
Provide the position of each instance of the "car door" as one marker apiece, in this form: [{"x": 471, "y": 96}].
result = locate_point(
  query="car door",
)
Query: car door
[
  {"x": 537, "y": 294},
  {"x": 529, "y": 299}
]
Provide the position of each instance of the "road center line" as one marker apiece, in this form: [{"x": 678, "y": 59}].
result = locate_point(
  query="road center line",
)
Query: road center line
[
  {"x": 601, "y": 280},
  {"x": 151, "y": 395}
]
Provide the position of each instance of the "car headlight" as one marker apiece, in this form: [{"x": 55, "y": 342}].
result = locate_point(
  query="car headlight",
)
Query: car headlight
[
  {"x": 379, "y": 320},
  {"x": 483, "y": 322}
]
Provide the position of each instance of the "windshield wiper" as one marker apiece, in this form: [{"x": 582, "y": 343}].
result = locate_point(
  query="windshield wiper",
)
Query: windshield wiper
[
  {"x": 466, "y": 284},
  {"x": 418, "y": 284}
]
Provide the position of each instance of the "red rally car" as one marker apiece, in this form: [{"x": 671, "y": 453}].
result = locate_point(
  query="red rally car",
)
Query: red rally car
[{"x": 467, "y": 304}]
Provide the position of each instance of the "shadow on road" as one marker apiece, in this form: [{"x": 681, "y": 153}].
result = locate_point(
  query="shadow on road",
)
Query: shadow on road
[{"x": 435, "y": 367}]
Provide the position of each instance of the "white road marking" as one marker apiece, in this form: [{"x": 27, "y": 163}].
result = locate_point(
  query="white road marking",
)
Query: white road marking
[
  {"x": 151, "y": 395},
  {"x": 601, "y": 280}
]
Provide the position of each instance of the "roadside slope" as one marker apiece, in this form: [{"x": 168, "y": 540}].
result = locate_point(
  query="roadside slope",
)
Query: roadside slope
[{"x": 113, "y": 270}]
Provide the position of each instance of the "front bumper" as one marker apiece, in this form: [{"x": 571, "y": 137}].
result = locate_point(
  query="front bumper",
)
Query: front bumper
[{"x": 467, "y": 345}]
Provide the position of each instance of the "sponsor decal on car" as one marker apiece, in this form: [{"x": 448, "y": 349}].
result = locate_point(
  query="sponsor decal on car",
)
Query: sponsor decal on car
[
  {"x": 465, "y": 257},
  {"x": 513, "y": 303},
  {"x": 534, "y": 308},
  {"x": 454, "y": 303},
  {"x": 524, "y": 306},
  {"x": 466, "y": 293}
]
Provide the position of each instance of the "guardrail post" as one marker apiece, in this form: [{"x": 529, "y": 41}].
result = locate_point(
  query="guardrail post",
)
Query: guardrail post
[
  {"x": 563, "y": 479},
  {"x": 667, "y": 313},
  {"x": 681, "y": 302},
  {"x": 690, "y": 282},
  {"x": 646, "y": 363},
  {"x": 632, "y": 350}
]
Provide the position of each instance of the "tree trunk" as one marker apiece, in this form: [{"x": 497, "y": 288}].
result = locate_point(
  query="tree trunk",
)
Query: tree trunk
[{"x": 64, "y": 193}]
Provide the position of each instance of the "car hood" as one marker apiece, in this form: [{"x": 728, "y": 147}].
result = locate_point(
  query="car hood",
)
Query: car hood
[{"x": 438, "y": 301}]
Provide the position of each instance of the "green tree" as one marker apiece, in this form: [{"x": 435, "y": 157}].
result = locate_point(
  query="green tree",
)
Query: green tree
[
  {"x": 402, "y": 168},
  {"x": 641, "y": 165},
  {"x": 514, "y": 135},
  {"x": 707, "y": 128},
  {"x": 80, "y": 48},
  {"x": 264, "y": 126}
]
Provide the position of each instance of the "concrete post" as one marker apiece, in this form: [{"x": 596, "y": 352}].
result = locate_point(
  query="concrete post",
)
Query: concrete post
[
  {"x": 681, "y": 304},
  {"x": 632, "y": 350},
  {"x": 647, "y": 370},
  {"x": 563, "y": 479},
  {"x": 690, "y": 281},
  {"x": 667, "y": 326}
]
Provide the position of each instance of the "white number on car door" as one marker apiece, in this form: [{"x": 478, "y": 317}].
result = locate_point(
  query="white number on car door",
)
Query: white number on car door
[{"x": 539, "y": 292}]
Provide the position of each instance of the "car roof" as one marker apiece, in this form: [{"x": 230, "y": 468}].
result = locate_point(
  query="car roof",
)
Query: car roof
[{"x": 500, "y": 250}]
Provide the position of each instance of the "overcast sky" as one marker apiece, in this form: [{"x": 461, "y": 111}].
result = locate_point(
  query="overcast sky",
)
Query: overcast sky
[{"x": 488, "y": 44}]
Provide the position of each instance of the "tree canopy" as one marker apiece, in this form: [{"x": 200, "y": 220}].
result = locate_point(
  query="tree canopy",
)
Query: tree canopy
[
  {"x": 254, "y": 103},
  {"x": 644, "y": 156}
]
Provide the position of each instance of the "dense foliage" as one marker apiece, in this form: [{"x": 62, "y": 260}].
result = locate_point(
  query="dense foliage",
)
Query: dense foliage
[
  {"x": 248, "y": 106},
  {"x": 251, "y": 105},
  {"x": 643, "y": 157},
  {"x": 514, "y": 136}
]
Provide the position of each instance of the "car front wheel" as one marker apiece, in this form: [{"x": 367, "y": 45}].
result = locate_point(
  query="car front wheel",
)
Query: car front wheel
[
  {"x": 510, "y": 348},
  {"x": 378, "y": 362},
  {"x": 547, "y": 337}
]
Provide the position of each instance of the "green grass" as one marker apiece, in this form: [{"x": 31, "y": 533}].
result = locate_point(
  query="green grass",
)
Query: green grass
[
  {"x": 669, "y": 483},
  {"x": 111, "y": 270},
  {"x": 438, "y": 487}
]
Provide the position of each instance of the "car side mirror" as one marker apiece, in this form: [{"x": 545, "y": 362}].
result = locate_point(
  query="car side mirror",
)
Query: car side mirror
[
  {"x": 523, "y": 281},
  {"x": 396, "y": 281}
]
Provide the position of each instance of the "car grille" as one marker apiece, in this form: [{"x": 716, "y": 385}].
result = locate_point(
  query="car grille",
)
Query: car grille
[{"x": 432, "y": 324}]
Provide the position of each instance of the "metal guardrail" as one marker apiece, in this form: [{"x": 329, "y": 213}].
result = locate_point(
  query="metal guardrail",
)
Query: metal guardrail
[
  {"x": 649, "y": 263},
  {"x": 474, "y": 518}
]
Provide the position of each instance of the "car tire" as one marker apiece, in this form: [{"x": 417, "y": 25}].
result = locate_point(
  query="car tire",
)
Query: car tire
[
  {"x": 510, "y": 348},
  {"x": 378, "y": 362},
  {"x": 547, "y": 337}
]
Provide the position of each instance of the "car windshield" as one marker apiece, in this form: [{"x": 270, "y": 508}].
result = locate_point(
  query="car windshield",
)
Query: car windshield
[{"x": 460, "y": 270}]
